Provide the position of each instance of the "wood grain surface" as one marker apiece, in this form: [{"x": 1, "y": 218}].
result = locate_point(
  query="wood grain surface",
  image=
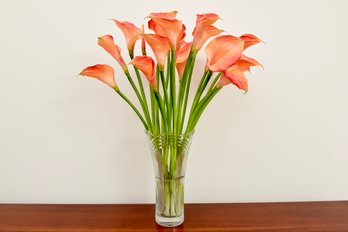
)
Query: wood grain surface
[{"x": 300, "y": 216}]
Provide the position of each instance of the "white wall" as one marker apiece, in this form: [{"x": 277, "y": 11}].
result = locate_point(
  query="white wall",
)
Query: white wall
[{"x": 65, "y": 139}]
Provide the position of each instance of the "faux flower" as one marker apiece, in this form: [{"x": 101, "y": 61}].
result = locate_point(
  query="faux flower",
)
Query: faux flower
[
  {"x": 147, "y": 66},
  {"x": 107, "y": 42},
  {"x": 160, "y": 47},
  {"x": 250, "y": 40},
  {"x": 223, "y": 51},
  {"x": 204, "y": 29},
  {"x": 181, "y": 58},
  {"x": 166, "y": 25},
  {"x": 131, "y": 33},
  {"x": 102, "y": 72}
]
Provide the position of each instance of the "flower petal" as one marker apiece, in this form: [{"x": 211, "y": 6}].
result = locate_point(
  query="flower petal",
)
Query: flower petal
[
  {"x": 164, "y": 15},
  {"x": 160, "y": 47},
  {"x": 107, "y": 42},
  {"x": 249, "y": 40},
  {"x": 245, "y": 62},
  {"x": 181, "y": 57},
  {"x": 102, "y": 72},
  {"x": 147, "y": 66},
  {"x": 203, "y": 34},
  {"x": 130, "y": 31},
  {"x": 235, "y": 76},
  {"x": 165, "y": 24},
  {"x": 223, "y": 51}
]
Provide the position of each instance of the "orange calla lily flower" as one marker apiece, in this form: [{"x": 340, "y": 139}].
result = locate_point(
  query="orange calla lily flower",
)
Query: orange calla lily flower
[
  {"x": 204, "y": 29},
  {"x": 250, "y": 40},
  {"x": 245, "y": 62},
  {"x": 203, "y": 35},
  {"x": 102, "y": 72},
  {"x": 160, "y": 47},
  {"x": 181, "y": 57},
  {"x": 235, "y": 76},
  {"x": 164, "y": 15},
  {"x": 165, "y": 24},
  {"x": 131, "y": 33},
  {"x": 107, "y": 42},
  {"x": 223, "y": 51},
  {"x": 147, "y": 66}
]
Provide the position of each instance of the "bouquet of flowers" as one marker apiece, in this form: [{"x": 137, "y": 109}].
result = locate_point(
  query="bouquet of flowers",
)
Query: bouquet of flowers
[{"x": 164, "y": 110}]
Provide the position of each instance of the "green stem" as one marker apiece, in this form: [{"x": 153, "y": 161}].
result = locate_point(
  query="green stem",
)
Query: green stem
[
  {"x": 166, "y": 100},
  {"x": 214, "y": 81},
  {"x": 187, "y": 88},
  {"x": 147, "y": 117},
  {"x": 195, "y": 115},
  {"x": 182, "y": 86},
  {"x": 173, "y": 90},
  {"x": 134, "y": 108},
  {"x": 200, "y": 90},
  {"x": 161, "y": 107},
  {"x": 142, "y": 91}
]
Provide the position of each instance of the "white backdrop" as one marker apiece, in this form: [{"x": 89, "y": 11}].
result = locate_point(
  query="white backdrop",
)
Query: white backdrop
[{"x": 65, "y": 139}]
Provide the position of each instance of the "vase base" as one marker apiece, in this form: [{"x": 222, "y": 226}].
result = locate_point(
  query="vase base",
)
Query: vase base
[{"x": 169, "y": 221}]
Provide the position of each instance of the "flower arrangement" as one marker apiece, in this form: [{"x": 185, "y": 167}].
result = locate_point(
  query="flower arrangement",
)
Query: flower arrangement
[{"x": 164, "y": 110}]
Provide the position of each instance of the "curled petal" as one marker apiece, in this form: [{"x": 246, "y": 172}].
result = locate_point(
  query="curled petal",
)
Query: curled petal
[
  {"x": 182, "y": 55},
  {"x": 107, "y": 42},
  {"x": 102, "y": 72},
  {"x": 235, "y": 76},
  {"x": 165, "y": 24},
  {"x": 171, "y": 28},
  {"x": 250, "y": 40},
  {"x": 130, "y": 31},
  {"x": 206, "y": 20},
  {"x": 223, "y": 51},
  {"x": 156, "y": 28},
  {"x": 164, "y": 15},
  {"x": 245, "y": 62},
  {"x": 203, "y": 34},
  {"x": 160, "y": 47},
  {"x": 203, "y": 29},
  {"x": 147, "y": 66}
]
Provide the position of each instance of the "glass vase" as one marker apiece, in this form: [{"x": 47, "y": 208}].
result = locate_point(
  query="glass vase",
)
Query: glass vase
[{"x": 169, "y": 155}]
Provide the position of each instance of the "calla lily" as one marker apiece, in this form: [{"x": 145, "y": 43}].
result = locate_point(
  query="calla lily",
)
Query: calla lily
[
  {"x": 160, "y": 47},
  {"x": 204, "y": 29},
  {"x": 102, "y": 72},
  {"x": 165, "y": 24},
  {"x": 250, "y": 40},
  {"x": 164, "y": 15},
  {"x": 235, "y": 76},
  {"x": 147, "y": 66},
  {"x": 203, "y": 35},
  {"x": 223, "y": 51},
  {"x": 181, "y": 57},
  {"x": 131, "y": 33},
  {"x": 107, "y": 42},
  {"x": 206, "y": 19},
  {"x": 245, "y": 62}
]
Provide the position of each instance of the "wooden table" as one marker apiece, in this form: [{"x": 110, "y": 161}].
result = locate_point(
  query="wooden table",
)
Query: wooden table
[{"x": 270, "y": 217}]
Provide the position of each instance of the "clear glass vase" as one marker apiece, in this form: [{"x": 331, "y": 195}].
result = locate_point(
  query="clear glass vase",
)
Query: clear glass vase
[{"x": 169, "y": 155}]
